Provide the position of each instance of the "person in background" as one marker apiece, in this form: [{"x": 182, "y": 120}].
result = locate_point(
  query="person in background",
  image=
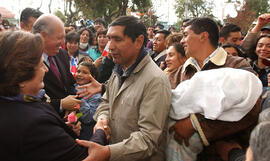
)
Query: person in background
[
  {"x": 105, "y": 68},
  {"x": 28, "y": 18},
  {"x": 150, "y": 36},
  {"x": 33, "y": 129},
  {"x": 99, "y": 24},
  {"x": 230, "y": 34},
  {"x": 88, "y": 107},
  {"x": 175, "y": 58},
  {"x": 172, "y": 39},
  {"x": 184, "y": 25},
  {"x": 150, "y": 33},
  {"x": 86, "y": 39},
  {"x": 102, "y": 40},
  {"x": 172, "y": 30},
  {"x": 259, "y": 143},
  {"x": 159, "y": 47},
  {"x": 260, "y": 28},
  {"x": 159, "y": 26},
  {"x": 233, "y": 50},
  {"x": 258, "y": 149},
  {"x": 72, "y": 48},
  {"x": 260, "y": 62}
]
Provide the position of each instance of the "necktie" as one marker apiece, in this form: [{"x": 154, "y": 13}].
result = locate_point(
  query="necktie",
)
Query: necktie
[{"x": 54, "y": 69}]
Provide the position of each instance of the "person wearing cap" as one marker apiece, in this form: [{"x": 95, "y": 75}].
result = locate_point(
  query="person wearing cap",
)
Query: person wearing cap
[
  {"x": 260, "y": 28},
  {"x": 265, "y": 29},
  {"x": 159, "y": 47}
]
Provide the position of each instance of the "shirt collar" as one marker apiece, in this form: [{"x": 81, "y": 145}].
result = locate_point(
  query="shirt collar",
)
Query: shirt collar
[
  {"x": 45, "y": 57},
  {"x": 218, "y": 57}
]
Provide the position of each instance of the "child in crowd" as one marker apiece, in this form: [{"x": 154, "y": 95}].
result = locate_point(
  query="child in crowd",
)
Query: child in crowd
[{"x": 88, "y": 107}]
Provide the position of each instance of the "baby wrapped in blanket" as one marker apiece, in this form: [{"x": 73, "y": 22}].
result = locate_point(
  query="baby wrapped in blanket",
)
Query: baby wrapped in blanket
[{"x": 225, "y": 94}]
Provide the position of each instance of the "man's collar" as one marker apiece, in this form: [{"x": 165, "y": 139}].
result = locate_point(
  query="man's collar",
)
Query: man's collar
[
  {"x": 218, "y": 57},
  {"x": 45, "y": 57}
]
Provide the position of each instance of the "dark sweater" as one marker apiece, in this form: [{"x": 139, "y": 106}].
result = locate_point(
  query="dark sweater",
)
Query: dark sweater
[{"x": 34, "y": 131}]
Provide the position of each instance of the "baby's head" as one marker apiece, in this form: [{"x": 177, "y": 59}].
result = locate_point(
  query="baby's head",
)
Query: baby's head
[{"x": 84, "y": 72}]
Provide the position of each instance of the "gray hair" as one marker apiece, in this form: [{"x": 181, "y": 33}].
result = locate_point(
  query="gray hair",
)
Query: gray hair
[
  {"x": 259, "y": 142},
  {"x": 45, "y": 23},
  {"x": 264, "y": 115}
]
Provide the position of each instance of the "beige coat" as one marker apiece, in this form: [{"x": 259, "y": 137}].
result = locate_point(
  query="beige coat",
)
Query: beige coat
[{"x": 137, "y": 113}]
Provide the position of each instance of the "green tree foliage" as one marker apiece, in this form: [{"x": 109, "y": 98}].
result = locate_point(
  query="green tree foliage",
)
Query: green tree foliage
[
  {"x": 195, "y": 8},
  {"x": 59, "y": 14},
  {"x": 248, "y": 12},
  {"x": 257, "y": 6},
  {"x": 110, "y": 9}
]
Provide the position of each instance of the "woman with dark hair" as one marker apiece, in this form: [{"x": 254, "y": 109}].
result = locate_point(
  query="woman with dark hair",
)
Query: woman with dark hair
[
  {"x": 31, "y": 128},
  {"x": 261, "y": 59},
  {"x": 86, "y": 39},
  {"x": 102, "y": 40},
  {"x": 175, "y": 57},
  {"x": 233, "y": 50}
]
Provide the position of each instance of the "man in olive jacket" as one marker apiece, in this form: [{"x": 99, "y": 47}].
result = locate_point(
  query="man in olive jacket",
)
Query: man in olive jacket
[{"x": 136, "y": 101}]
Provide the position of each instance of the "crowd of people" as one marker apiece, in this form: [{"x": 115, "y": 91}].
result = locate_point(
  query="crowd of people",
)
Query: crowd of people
[{"x": 130, "y": 92}]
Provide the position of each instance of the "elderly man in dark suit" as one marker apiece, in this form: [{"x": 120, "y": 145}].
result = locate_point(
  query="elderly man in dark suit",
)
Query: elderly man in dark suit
[{"x": 59, "y": 83}]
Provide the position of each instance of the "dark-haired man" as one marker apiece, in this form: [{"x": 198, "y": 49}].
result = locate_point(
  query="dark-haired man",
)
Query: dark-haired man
[
  {"x": 99, "y": 24},
  {"x": 159, "y": 47},
  {"x": 200, "y": 42},
  {"x": 136, "y": 101},
  {"x": 230, "y": 34},
  {"x": 28, "y": 18}
]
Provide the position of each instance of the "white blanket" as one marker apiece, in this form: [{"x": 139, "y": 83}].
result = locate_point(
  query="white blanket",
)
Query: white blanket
[{"x": 220, "y": 94}]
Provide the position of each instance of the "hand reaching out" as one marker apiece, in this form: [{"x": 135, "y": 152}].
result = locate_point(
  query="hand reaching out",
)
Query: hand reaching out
[
  {"x": 96, "y": 152},
  {"x": 90, "y": 89}
]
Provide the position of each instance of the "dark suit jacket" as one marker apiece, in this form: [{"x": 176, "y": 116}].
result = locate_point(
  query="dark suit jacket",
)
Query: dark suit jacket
[
  {"x": 53, "y": 87},
  {"x": 34, "y": 131}
]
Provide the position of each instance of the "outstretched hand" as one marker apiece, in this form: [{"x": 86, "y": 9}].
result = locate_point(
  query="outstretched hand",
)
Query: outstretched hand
[
  {"x": 96, "y": 152},
  {"x": 90, "y": 89}
]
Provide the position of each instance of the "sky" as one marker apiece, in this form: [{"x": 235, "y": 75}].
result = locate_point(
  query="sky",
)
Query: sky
[
  {"x": 220, "y": 10},
  {"x": 164, "y": 8}
]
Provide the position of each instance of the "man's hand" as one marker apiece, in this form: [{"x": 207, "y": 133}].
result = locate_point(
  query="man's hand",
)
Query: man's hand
[
  {"x": 262, "y": 20},
  {"x": 183, "y": 131},
  {"x": 104, "y": 125},
  {"x": 90, "y": 89},
  {"x": 70, "y": 102},
  {"x": 96, "y": 152},
  {"x": 75, "y": 127}
]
